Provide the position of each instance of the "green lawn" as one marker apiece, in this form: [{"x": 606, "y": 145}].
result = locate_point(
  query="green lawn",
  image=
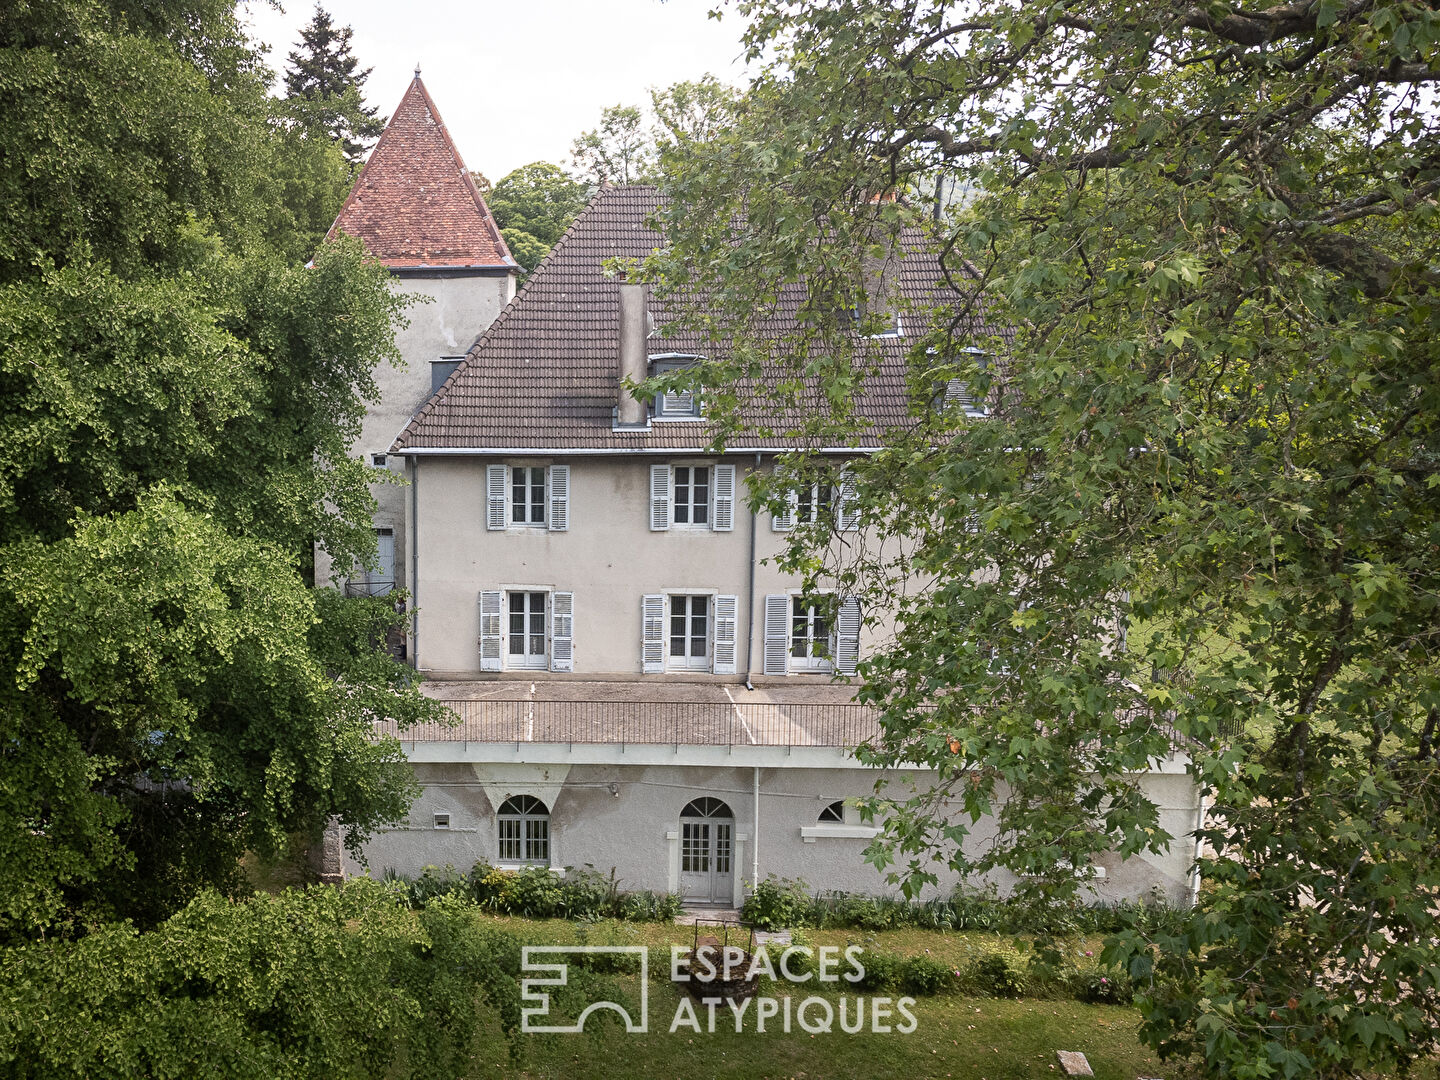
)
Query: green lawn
[{"x": 983, "y": 1039}]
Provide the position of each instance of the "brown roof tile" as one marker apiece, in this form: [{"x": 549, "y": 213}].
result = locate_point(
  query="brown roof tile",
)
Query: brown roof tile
[
  {"x": 544, "y": 375},
  {"x": 415, "y": 204}
]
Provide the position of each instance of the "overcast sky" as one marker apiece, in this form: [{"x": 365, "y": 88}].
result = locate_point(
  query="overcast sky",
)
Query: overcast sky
[{"x": 517, "y": 80}]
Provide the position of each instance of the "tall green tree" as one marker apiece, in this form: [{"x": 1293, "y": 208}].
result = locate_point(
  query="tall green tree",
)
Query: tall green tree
[
  {"x": 178, "y": 394},
  {"x": 620, "y": 150},
  {"x": 1202, "y": 513},
  {"x": 533, "y": 206},
  {"x": 325, "y": 83}
]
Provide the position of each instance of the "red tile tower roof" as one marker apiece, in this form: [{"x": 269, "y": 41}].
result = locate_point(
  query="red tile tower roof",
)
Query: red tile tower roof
[{"x": 415, "y": 205}]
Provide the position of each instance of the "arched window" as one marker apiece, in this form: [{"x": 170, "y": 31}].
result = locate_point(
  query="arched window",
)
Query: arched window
[
  {"x": 524, "y": 831},
  {"x": 834, "y": 814},
  {"x": 706, "y": 807}
]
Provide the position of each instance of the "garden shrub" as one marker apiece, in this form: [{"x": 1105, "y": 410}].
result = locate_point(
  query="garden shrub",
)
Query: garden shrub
[
  {"x": 883, "y": 971},
  {"x": 324, "y": 982},
  {"x": 924, "y": 977},
  {"x": 537, "y": 892},
  {"x": 776, "y": 903},
  {"x": 997, "y": 974}
]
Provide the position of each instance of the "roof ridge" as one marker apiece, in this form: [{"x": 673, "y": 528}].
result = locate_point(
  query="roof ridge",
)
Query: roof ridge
[{"x": 601, "y": 192}]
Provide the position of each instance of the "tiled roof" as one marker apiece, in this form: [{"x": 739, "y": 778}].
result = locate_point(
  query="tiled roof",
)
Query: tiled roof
[
  {"x": 415, "y": 204},
  {"x": 545, "y": 374}
]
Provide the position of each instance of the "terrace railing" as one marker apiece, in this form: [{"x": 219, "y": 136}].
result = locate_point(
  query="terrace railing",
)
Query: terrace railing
[{"x": 679, "y": 723}]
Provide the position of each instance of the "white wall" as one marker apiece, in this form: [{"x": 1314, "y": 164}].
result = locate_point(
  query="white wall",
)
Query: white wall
[
  {"x": 447, "y": 317},
  {"x": 627, "y": 830},
  {"x": 608, "y": 557}
]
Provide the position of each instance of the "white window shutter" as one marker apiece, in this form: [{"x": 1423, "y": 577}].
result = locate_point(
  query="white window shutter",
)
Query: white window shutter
[
  {"x": 659, "y": 498},
  {"x": 847, "y": 636},
  {"x": 848, "y": 513},
  {"x": 723, "y": 519},
  {"x": 777, "y": 633},
  {"x": 491, "y": 626},
  {"x": 958, "y": 396},
  {"x": 495, "y": 484},
  {"x": 652, "y": 634},
  {"x": 785, "y": 520},
  {"x": 558, "y": 477},
  {"x": 562, "y": 631},
  {"x": 727, "y": 616}
]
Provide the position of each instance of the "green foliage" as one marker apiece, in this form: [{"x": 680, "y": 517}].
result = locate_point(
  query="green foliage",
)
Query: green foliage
[
  {"x": 1212, "y": 233},
  {"x": 925, "y": 977},
  {"x": 618, "y": 151},
  {"x": 775, "y": 903},
  {"x": 537, "y": 892},
  {"x": 319, "y": 983},
  {"x": 779, "y": 903},
  {"x": 180, "y": 396},
  {"x": 998, "y": 974},
  {"x": 540, "y": 200},
  {"x": 325, "y": 86}
]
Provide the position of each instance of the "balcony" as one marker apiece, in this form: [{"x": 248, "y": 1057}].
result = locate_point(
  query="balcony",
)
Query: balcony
[{"x": 645, "y": 714}]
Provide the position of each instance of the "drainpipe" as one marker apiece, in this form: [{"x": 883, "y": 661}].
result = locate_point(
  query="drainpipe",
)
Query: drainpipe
[
  {"x": 414, "y": 562},
  {"x": 1195, "y": 873},
  {"x": 750, "y": 626},
  {"x": 755, "y": 839}
]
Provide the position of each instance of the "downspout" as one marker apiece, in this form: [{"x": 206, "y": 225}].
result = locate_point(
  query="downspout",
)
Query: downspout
[
  {"x": 414, "y": 562},
  {"x": 1195, "y": 870},
  {"x": 750, "y": 627},
  {"x": 755, "y": 840}
]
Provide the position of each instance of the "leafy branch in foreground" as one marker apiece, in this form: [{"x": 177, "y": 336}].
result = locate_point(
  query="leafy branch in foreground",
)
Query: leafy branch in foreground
[{"x": 1203, "y": 510}]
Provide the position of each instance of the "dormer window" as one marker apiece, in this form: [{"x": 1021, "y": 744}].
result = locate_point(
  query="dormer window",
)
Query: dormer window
[
  {"x": 959, "y": 397},
  {"x": 678, "y": 404}
]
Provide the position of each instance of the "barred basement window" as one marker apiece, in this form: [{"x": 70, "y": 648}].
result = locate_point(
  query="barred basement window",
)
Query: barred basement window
[{"x": 524, "y": 831}]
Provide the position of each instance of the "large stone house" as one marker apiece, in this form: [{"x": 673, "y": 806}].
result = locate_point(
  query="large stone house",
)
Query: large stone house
[
  {"x": 639, "y": 688},
  {"x": 417, "y": 210}
]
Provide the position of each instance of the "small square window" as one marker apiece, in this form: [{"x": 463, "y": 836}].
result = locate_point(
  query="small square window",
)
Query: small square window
[
  {"x": 378, "y": 460},
  {"x": 442, "y": 821}
]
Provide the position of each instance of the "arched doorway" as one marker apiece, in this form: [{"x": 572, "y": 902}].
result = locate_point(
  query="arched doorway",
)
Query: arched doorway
[{"x": 707, "y": 852}]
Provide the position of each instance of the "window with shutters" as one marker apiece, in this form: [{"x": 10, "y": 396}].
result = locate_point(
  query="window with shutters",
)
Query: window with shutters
[
  {"x": 689, "y": 632},
  {"x": 691, "y": 499},
  {"x": 527, "y": 495},
  {"x": 799, "y": 637},
  {"x": 526, "y": 635},
  {"x": 810, "y": 646},
  {"x": 524, "y": 824}
]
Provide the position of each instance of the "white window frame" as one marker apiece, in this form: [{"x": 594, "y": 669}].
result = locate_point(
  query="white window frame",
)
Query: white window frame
[
  {"x": 530, "y": 661},
  {"x": 531, "y": 503},
  {"x": 525, "y": 835},
  {"x": 811, "y": 664},
  {"x": 691, "y": 505},
  {"x": 688, "y": 662},
  {"x": 776, "y": 628}
]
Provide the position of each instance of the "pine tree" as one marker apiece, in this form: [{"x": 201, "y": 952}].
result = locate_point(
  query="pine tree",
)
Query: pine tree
[{"x": 324, "y": 81}]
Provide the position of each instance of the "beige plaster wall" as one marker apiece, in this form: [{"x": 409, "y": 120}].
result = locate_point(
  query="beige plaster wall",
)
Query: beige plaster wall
[
  {"x": 608, "y": 557},
  {"x": 447, "y": 317}
]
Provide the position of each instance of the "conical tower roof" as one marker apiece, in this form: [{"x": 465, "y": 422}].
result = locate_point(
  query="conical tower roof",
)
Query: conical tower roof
[{"x": 415, "y": 205}]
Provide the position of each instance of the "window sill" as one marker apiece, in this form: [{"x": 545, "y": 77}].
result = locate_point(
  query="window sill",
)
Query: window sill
[
  {"x": 516, "y": 867},
  {"x": 810, "y": 833}
]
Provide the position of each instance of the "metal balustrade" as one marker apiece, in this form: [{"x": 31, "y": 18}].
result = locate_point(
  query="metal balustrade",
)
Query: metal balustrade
[{"x": 687, "y": 723}]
